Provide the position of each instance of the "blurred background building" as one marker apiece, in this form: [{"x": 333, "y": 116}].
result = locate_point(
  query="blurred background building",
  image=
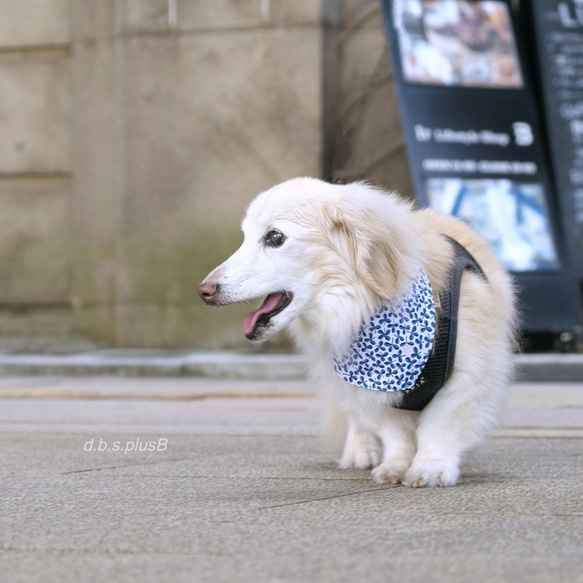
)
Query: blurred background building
[{"x": 135, "y": 133}]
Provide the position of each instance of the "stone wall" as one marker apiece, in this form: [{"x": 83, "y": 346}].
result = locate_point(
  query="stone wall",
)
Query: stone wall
[
  {"x": 182, "y": 111},
  {"x": 135, "y": 132},
  {"x": 35, "y": 168}
]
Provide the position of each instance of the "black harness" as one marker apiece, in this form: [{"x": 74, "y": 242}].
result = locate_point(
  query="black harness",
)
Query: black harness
[{"x": 440, "y": 363}]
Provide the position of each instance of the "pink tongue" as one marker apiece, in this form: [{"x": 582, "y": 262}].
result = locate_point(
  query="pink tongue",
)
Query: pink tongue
[{"x": 267, "y": 306}]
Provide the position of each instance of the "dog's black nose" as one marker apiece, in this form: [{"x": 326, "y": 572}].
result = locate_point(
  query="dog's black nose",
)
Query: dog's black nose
[{"x": 208, "y": 290}]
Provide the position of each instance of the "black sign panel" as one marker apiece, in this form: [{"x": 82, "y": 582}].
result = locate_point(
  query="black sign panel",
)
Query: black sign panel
[
  {"x": 559, "y": 36},
  {"x": 473, "y": 144}
]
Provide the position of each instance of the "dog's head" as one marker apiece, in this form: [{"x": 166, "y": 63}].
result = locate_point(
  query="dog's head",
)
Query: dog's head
[{"x": 320, "y": 254}]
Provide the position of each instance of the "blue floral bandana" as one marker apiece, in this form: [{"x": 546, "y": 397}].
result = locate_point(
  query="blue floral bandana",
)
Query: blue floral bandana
[{"x": 391, "y": 349}]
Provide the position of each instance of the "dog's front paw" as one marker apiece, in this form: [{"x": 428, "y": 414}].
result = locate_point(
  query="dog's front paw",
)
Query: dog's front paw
[
  {"x": 361, "y": 452},
  {"x": 431, "y": 473},
  {"x": 391, "y": 471}
]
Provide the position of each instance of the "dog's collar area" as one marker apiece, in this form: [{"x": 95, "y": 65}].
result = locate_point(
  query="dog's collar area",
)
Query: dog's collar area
[
  {"x": 367, "y": 364},
  {"x": 392, "y": 347},
  {"x": 442, "y": 358}
]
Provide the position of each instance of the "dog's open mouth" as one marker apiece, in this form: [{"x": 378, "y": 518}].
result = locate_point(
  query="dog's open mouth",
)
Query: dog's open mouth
[{"x": 257, "y": 322}]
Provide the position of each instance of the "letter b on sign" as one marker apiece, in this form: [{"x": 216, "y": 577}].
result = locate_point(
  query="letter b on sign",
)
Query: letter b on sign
[{"x": 522, "y": 133}]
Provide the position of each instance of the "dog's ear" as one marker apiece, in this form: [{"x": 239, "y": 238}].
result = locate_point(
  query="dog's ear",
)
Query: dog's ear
[
  {"x": 382, "y": 244},
  {"x": 372, "y": 257}
]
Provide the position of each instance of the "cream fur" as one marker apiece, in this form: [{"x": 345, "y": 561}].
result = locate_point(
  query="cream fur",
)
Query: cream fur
[{"x": 347, "y": 249}]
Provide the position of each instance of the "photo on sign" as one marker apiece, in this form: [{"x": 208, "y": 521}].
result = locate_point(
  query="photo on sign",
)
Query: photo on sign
[
  {"x": 512, "y": 216},
  {"x": 457, "y": 43}
]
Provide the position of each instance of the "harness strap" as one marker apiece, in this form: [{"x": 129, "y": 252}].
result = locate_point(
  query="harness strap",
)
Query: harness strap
[{"x": 439, "y": 365}]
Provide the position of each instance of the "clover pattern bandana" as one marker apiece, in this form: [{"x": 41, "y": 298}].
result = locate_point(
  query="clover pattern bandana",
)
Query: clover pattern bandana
[{"x": 392, "y": 347}]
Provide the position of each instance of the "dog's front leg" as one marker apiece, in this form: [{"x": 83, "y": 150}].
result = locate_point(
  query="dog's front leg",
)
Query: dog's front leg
[
  {"x": 454, "y": 421},
  {"x": 362, "y": 449},
  {"x": 397, "y": 433}
]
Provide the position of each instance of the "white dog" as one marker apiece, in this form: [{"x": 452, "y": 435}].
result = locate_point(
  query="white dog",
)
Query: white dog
[{"x": 336, "y": 263}]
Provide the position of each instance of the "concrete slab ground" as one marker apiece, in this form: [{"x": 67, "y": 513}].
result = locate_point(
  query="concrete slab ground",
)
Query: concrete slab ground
[{"x": 185, "y": 479}]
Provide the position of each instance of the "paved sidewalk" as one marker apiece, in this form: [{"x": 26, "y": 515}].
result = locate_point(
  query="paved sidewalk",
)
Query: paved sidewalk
[{"x": 190, "y": 479}]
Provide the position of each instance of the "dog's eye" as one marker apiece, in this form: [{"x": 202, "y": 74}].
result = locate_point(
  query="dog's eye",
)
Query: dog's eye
[{"x": 274, "y": 238}]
